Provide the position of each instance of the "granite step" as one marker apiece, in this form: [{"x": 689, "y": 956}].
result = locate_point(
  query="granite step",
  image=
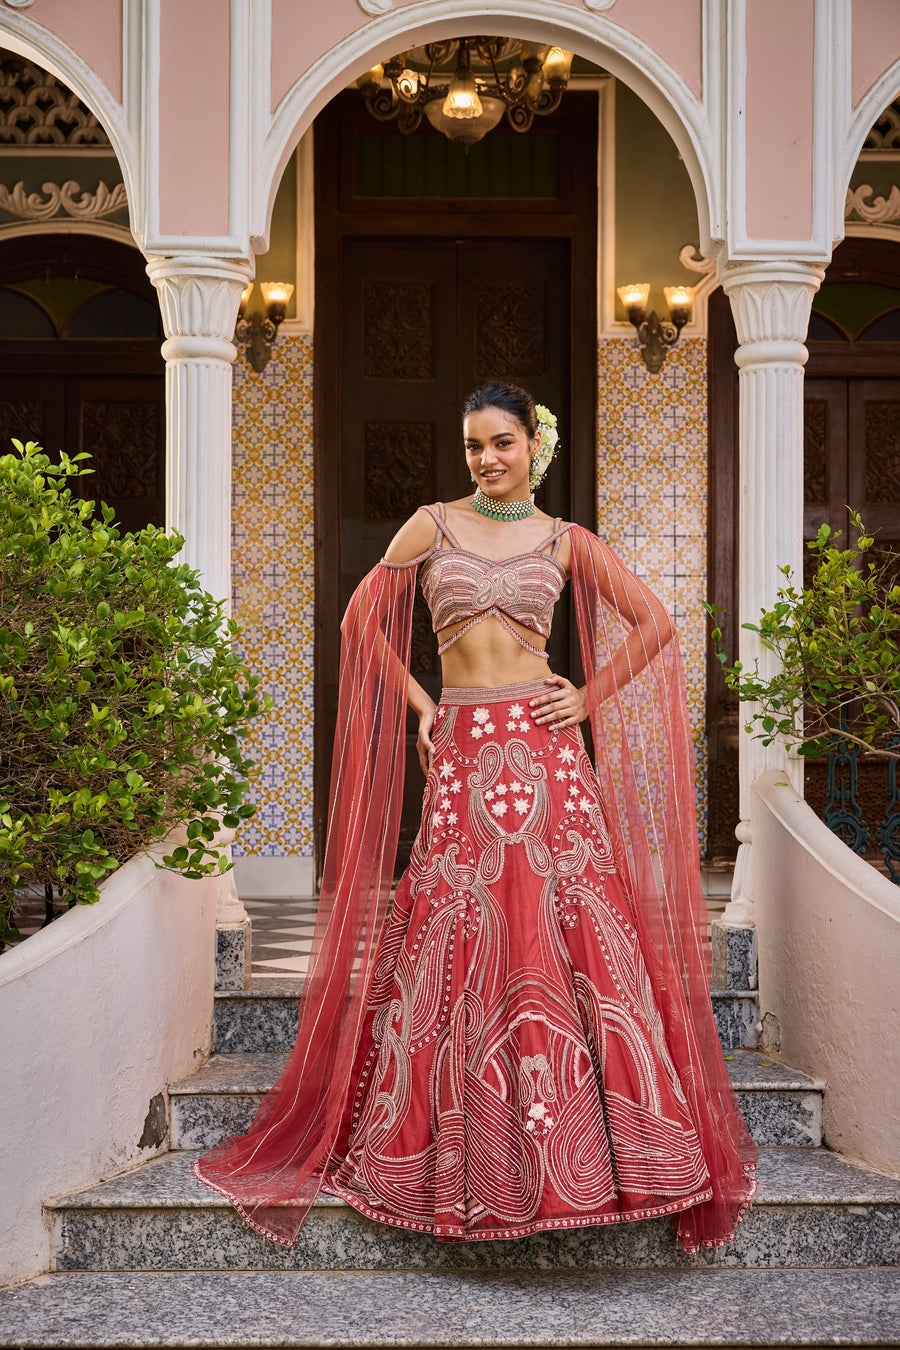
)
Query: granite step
[
  {"x": 467, "y": 1308},
  {"x": 813, "y": 1209},
  {"x": 780, "y": 1105},
  {"x": 263, "y": 1018}
]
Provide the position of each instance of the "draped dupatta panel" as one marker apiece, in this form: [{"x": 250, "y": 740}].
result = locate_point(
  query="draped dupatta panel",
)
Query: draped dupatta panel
[
  {"x": 645, "y": 766},
  {"x": 273, "y": 1173}
]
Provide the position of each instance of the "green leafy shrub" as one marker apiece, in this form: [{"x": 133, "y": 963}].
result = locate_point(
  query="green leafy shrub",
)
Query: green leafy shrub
[
  {"x": 838, "y": 647},
  {"x": 123, "y": 701}
]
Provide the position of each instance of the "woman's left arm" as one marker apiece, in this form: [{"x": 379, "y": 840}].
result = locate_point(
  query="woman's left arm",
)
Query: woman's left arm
[{"x": 650, "y": 629}]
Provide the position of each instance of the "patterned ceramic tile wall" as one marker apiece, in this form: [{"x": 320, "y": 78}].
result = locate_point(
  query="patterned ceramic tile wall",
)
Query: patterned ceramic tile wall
[
  {"x": 273, "y": 586},
  {"x": 651, "y": 508},
  {"x": 651, "y": 494}
]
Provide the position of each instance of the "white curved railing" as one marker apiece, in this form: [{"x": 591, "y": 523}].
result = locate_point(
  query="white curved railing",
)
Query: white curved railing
[
  {"x": 829, "y": 957},
  {"x": 99, "y": 1012}
]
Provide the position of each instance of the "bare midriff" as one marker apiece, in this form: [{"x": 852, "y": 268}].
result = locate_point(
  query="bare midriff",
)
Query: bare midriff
[{"x": 487, "y": 656}]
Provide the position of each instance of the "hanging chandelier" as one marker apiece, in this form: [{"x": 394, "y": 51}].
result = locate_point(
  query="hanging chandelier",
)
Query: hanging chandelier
[{"x": 467, "y": 104}]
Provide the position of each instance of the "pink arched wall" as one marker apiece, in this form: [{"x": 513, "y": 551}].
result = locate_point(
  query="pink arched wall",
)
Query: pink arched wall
[
  {"x": 199, "y": 85},
  {"x": 671, "y": 27}
]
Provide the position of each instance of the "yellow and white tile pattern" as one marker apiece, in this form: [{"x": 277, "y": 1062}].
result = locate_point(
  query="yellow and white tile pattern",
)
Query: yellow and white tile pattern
[
  {"x": 652, "y": 495},
  {"x": 273, "y": 580}
]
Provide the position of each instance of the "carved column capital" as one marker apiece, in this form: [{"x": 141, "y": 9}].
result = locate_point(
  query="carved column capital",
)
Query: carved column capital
[
  {"x": 199, "y": 298},
  {"x": 771, "y": 302}
]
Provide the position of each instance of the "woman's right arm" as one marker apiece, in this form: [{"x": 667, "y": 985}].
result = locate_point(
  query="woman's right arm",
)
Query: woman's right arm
[
  {"x": 409, "y": 543},
  {"x": 412, "y": 539}
]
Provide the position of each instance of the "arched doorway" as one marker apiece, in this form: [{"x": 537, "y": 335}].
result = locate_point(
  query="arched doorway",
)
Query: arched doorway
[
  {"x": 80, "y": 364},
  {"x": 430, "y": 289},
  {"x": 664, "y": 96}
]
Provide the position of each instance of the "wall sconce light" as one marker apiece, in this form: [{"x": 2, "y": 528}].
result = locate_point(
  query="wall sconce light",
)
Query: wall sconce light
[
  {"x": 656, "y": 335},
  {"x": 258, "y": 331}
]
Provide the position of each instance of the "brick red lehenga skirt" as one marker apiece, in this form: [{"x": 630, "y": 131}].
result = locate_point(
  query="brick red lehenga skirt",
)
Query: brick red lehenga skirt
[{"x": 512, "y": 1073}]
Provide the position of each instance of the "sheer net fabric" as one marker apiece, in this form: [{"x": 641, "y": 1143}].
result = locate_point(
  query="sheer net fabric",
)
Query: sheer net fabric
[
  {"x": 273, "y": 1173},
  {"x": 645, "y": 768}
]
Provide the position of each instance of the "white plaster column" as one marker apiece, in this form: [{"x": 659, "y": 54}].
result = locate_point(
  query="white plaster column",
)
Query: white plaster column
[
  {"x": 771, "y": 303},
  {"x": 199, "y": 297}
]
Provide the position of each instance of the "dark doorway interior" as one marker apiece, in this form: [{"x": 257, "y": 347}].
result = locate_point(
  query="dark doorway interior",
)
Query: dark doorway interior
[
  {"x": 80, "y": 365},
  {"x": 423, "y": 289}
]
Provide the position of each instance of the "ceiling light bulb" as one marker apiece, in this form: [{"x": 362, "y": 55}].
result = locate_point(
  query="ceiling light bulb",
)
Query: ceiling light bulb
[
  {"x": 557, "y": 64},
  {"x": 462, "y": 99},
  {"x": 408, "y": 86}
]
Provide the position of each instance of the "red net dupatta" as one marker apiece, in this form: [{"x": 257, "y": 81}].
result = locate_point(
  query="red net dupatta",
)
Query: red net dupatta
[
  {"x": 272, "y": 1174},
  {"x": 645, "y": 765}
]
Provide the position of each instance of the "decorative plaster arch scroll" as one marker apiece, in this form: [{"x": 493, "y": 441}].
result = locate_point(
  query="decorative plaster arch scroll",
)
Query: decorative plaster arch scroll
[
  {"x": 69, "y": 197},
  {"x": 28, "y": 38},
  {"x": 863, "y": 117},
  {"x": 581, "y": 30}
]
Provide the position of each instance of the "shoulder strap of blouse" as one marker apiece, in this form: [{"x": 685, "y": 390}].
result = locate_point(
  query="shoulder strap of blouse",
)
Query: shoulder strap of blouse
[
  {"x": 438, "y": 514},
  {"x": 559, "y": 528}
]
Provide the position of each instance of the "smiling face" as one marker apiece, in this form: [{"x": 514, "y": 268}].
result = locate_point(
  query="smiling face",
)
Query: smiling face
[{"x": 499, "y": 453}]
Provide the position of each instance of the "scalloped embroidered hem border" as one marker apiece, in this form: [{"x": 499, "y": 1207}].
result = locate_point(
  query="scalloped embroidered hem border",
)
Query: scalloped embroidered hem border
[{"x": 452, "y": 1233}]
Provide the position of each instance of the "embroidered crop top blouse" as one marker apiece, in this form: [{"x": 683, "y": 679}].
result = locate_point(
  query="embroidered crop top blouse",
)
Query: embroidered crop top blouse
[{"x": 464, "y": 587}]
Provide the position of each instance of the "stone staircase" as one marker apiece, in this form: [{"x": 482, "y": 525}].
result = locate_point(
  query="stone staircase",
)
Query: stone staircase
[{"x": 151, "y": 1257}]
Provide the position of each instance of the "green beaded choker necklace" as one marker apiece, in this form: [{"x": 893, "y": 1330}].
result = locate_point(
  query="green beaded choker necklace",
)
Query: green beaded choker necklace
[{"x": 486, "y": 506}]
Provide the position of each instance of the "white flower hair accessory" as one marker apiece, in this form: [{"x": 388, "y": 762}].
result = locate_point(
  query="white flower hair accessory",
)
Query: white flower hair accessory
[{"x": 546, "y": 421}]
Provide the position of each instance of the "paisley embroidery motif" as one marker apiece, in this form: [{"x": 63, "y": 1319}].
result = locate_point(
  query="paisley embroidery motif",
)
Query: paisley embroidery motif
[
  {"x": 463, "y": 587},
  {"x": 512, "y": 1073}
]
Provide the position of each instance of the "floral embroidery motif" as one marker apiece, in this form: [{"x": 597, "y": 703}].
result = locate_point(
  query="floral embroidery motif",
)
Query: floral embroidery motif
[
  {"x": 539, "y": 1121},
  {"x": 507, "y": 986}
]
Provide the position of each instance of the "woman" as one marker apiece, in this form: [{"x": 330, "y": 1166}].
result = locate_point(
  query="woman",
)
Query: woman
[{"x": 530, "y": 1044}]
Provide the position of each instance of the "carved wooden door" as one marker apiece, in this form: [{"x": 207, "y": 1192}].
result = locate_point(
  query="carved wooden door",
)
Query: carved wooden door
[
  {"x": 424, "y": 321},
  {"x": 852, "y": 456},
  {"x": 852, "y": 460},
  {"x": 119, "y": 420}
]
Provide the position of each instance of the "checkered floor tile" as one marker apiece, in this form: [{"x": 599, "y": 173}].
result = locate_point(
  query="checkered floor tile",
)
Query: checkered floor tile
[
  {"x": 282, "y": 931},
  {"x": 282, "y": 935}
]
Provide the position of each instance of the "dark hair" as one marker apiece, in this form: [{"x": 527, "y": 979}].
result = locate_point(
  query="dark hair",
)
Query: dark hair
[{"x": 508, "y": 398}]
